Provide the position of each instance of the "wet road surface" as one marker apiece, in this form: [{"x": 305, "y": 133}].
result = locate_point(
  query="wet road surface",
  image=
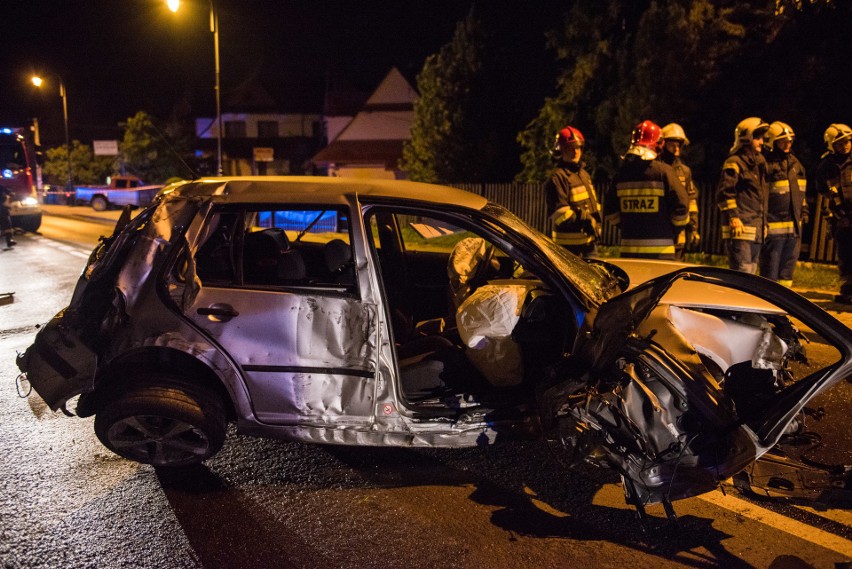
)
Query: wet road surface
[{"x": 65, "y": 501}]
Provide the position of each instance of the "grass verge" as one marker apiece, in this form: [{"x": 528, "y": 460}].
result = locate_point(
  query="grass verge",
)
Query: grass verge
[{"x": 807, "y": 276}]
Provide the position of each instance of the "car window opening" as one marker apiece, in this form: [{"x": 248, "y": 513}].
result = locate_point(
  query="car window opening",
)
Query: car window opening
[
  {"x": 270, "y": 248},
  {"x": 471, "y": 326}
]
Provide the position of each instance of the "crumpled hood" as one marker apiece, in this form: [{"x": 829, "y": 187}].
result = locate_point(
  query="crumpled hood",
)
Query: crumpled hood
[{"x": 619, "y": 318}]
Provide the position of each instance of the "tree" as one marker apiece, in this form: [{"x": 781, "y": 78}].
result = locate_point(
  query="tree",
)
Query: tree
[
  {"x": 626, "y": 62},
  {"x": 148, "y": 153},
  {"x": 586, "y": 46},
  {"x": 705, "y": 64},
  {"x": 86, "y": 168},
  {"x": 478, "y": 91},
  {"x": 437, "y": 150}
]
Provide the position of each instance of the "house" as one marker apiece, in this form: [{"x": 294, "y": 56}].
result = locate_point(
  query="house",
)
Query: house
[
  {"x": 370, "y": 146},
  {"x": 259, "y": 139}
]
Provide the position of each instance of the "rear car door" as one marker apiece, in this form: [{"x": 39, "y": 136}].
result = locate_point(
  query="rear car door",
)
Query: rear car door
[{"x": 279, "y": 294}]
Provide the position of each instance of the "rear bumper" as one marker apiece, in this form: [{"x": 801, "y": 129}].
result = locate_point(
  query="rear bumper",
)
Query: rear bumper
[{"x": 25, "y": 208}]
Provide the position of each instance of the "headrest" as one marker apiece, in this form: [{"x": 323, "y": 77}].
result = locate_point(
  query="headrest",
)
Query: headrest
[
  {"x": 337, "y": 254},
  {"x": 291, "y": 267}
]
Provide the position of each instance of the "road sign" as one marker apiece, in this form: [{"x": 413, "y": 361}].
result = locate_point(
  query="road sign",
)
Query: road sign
[{"x": 105, "y": 147}]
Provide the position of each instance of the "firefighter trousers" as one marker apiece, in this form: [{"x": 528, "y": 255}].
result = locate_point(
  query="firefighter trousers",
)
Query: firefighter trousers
[
  {"x": 778, "y": 257},
  {"x": 743, "y": 255}
]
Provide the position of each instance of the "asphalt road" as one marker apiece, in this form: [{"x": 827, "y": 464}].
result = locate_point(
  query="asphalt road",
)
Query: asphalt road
[{"x": 65, "y": 501}]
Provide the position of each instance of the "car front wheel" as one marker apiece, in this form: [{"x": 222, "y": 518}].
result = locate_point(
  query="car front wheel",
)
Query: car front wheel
[{"x": 162, "y": 425}]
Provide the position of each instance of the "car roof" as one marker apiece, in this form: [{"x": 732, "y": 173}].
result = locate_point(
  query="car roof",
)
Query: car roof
[{"x": 320, "y": 190}]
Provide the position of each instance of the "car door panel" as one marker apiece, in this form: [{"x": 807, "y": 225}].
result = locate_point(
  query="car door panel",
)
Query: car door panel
[{"x": 305, "y": 356}]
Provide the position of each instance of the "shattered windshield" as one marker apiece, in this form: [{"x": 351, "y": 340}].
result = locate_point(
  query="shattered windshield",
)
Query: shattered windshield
[{"x": 591, "y": 280}]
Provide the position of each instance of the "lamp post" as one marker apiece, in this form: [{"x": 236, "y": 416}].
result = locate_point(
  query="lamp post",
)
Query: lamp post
[
  {"x": 214, "y": 28},
  {"x": 38, "y": 82}
]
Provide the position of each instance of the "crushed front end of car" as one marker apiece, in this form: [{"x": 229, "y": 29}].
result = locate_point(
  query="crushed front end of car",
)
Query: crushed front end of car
[{"x": 677, "y": 399}]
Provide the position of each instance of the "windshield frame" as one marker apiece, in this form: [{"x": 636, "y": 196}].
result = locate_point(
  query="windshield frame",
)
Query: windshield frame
[{"x": 592, "y": 281}]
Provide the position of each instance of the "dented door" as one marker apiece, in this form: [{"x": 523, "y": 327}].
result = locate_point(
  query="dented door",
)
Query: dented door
[{"x": 305, "y": 357}]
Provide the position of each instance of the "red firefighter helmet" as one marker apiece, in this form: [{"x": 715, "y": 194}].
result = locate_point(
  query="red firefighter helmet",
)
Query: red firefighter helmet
[
  {"x": 647, "y": 134},
  {"x": 645, "y": 141},
  {"x": 568, "y": 135}
]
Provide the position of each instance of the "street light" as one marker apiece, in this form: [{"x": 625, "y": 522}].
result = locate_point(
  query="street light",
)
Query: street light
[
  {"x": 214, "y": 28},
  {"x": 38, "y": 81}
]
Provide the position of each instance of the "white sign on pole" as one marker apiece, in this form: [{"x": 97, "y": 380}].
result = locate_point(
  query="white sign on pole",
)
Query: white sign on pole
[
  {"x": 105, "y": 147},
  {"x": 262, "y": 154}
]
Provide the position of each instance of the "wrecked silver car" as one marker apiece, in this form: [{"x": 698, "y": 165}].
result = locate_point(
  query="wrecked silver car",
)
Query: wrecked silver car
[{"x": 395, "y": 313}]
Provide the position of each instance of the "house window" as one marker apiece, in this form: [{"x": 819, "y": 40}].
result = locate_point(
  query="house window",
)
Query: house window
[
  {"x": 235, "y": 129},
  {"x": 267, "y": 129}
]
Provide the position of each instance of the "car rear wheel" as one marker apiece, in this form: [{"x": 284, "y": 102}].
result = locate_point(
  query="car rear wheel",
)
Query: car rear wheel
[
  {"x": 162, "y": 425},
  {"x": 29, "y": 223},
  {"x": 99, "y": 203}
]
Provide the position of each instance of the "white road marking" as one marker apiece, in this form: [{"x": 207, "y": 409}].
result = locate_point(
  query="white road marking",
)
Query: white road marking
[
  {"x": 68, "y": 249},
  {"x": 611, "y": 495},
  {"x": 843, "y": 517},
  {"x": 777, "y": 521}
]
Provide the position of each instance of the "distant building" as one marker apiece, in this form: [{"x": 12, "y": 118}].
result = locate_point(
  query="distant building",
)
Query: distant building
[
  {"x": 339, "y": 108},
  {"x": 260, "y": 140},
  {"x": 370, "y": 145}
]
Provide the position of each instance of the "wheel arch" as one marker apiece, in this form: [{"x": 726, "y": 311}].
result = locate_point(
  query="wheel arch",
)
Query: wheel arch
[{"x": 131, "y": 369}]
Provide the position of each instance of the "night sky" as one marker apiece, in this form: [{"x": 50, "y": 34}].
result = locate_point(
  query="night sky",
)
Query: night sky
[{"x": 120, "y": 56}]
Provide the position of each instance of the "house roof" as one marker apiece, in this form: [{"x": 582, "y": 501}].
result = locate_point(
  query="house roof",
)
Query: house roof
[
  {"x": 386, "y": 152},
  {"x": 378, "y": 131},
  {"x": 343, "y": 103}
]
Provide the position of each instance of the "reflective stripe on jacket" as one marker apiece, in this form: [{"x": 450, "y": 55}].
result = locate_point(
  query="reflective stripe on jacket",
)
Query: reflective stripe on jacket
[
  {"x": 684, "y": 174},
  {"x": 786, "y": 203},
  {"x": 572, "y": 205},
  {"x": 651, "y": 205},
  {"x": 834, "y": 180},
  {"x": 741, "y": 193}
]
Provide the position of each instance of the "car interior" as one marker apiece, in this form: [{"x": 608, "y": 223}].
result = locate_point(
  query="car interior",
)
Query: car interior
[
  {"x": 436, "y": 275},
  {"x": 277, "y": 248},
  {"x": 446, "y": 288}
]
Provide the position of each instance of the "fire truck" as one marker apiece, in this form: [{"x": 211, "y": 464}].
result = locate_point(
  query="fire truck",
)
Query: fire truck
[{"x": 18, "y": 173}]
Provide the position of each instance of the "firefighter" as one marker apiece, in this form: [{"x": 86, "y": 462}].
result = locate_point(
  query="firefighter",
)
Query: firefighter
[
  {"x": 742, "y": 196},
  {"x": 571, "y": 200},
  {"x": 647, "y": 200},
  {"x": 787, "y": 211},
  {"x": 674, "y": 141},
  {"x": 834, "y": 181},
  {"x": 5, "y": 217}
]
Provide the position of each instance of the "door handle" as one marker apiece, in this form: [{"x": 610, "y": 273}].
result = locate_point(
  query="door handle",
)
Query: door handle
[{"x": 218, "y": 312}]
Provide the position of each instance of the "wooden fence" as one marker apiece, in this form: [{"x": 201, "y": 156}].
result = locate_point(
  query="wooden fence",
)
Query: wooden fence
[{"x": 527, "y": 202}]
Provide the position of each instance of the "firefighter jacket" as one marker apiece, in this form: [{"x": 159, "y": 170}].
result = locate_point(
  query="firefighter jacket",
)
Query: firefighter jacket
[
  {"x": 834, "y": 180},
  {"x": 684, "y": 174},
  {"x": 572, "y": 205},
  {"x": 650, "y": 204},
  {"x": 741, "y": 193},
  {"x": 786, "y": 206}
]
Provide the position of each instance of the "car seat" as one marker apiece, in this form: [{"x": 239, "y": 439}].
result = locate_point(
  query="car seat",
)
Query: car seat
[
  {"x": 268, "y": 259},
  {"x": 337, "y": 254}
]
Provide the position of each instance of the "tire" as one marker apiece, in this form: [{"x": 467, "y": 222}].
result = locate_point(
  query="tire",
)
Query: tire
[
  {"x": 29, "y": 223},
  {"x": 162, "y": 424},
  {"x": 99, "y": 203}
]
